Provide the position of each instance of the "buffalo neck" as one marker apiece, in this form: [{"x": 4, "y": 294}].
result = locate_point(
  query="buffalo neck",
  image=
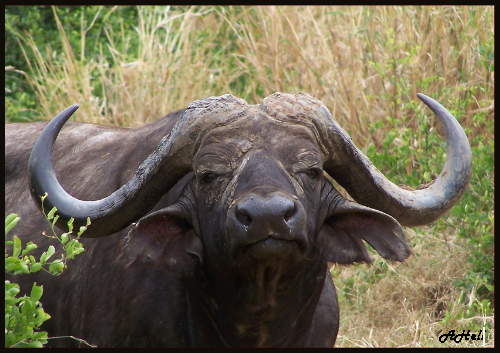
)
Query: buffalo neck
[{"x": 271, "y": 305}]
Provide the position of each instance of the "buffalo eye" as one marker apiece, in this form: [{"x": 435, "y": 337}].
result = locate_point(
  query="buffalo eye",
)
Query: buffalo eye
[
  {"x": 208, "y": 177},
  {"x": 312, "y": 173}
]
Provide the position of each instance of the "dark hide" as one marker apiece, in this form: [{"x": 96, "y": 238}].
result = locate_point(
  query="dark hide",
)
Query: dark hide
[{"x": 234, "y": 255}]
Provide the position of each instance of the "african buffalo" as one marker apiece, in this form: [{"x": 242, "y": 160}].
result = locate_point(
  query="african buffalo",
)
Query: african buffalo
[{"x": 213, "y": 226}]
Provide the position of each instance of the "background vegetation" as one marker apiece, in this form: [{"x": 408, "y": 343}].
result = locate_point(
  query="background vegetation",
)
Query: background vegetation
[
  {"x": 128, "y": 66},
  {"x": 24, "y": 315}
]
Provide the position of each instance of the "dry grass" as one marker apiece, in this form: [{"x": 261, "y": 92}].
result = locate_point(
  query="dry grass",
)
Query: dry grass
[
  {"x": 364, "y": 63},
  {"x": 166, "y": 72},
  {"x": 354, "y": 59},
  {"x": 404, "y": 304}
]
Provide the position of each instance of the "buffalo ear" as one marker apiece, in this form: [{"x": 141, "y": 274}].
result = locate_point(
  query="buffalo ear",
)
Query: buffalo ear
[
  {"x": 344, "y": 230},
  {"x": 166, "y": 240}
]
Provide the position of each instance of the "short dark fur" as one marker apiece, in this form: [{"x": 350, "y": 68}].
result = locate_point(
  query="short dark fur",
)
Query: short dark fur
[{"x": 237, "y": 258}]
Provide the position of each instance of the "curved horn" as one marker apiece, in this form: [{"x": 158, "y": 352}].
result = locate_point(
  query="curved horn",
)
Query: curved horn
[
  {"x": 366, "y": 184},
  {"x": 155, "y": 176}
]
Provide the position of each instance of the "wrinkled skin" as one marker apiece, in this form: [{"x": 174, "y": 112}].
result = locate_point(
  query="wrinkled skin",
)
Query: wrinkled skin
[
  {"x": 235, "y": 254},
  {"x": 158, "y": 286},
  {"x": 260, "y": 258},
  {"x": 262, "y": 160},
  {"x": 260, "y": 188}
]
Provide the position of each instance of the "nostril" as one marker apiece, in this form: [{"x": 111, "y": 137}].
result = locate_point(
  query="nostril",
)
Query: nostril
[
  {"x": 289, "y": 214},
  {"x": 243, "y": 217}
]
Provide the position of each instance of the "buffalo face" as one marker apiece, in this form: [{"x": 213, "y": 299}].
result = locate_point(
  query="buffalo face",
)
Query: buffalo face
[
  {"x": 259, "y": 196},
  {"x": 255, "y": 179}
]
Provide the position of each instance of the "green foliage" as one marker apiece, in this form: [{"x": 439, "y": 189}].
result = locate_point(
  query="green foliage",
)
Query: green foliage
[
  {"x": 409, "y": 156},
  {"x": 84, "y": 26},
  {"x": 24, "y": 315}
]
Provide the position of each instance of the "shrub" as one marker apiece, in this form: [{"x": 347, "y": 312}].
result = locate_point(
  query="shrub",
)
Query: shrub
[{"x": 24, "y": 315}]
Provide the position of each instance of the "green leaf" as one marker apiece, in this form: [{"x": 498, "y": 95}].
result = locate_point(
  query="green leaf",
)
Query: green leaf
[
  {"x": 30, "y": 246},
  {"x": 41, "y": 317},
  {"x": 70, "y": 225},
  {"x": 36, "y": 292},
  {"x": 36, "y": 267},
  {"x": 54, "y": 221},
  {"x": 50, "y": 215},
  {"x": 12, "y": 260},
  {"x": 27, "y": 307},
  {"x": 22, "y": 345},
  {"x": 11, "y": 267},
  {"x": 10, "y": 222},
  {"x": 36, "y": 344},
  {"x": 10, "y": 339},
  {"x": 10, "y": 218},
  {"x": 56, "y": 267},
  {"x": 78, "y": 249},
  {"x": 84, "y": 228},
  {"x": 17, "y": 246},
  {"x": 64, "y": 238},
  {"x": 42, "y": 335},
  {"x": 23, "y": 269},
  {"x": 11, "y": 288},
  {"x": 50, "y": 251}
]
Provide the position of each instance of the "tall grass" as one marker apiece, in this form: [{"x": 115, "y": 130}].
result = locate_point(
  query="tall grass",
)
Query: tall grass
[
  {"x": 129, "y": 85},
  {"x": 366, "y": 64}
]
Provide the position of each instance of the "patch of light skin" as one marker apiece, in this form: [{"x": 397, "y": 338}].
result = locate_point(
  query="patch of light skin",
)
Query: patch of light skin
[
  {"x": 298, "y": 187},
  {"x": 246, "y": 147},
  {"x": 231, "y": 187},
  {"x": 296, "y": 167},
  {"x": 228, "y": 193}
]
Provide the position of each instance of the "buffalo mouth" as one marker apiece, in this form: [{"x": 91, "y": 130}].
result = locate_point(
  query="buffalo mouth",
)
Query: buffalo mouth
[{"x": 270, "y": 248}]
